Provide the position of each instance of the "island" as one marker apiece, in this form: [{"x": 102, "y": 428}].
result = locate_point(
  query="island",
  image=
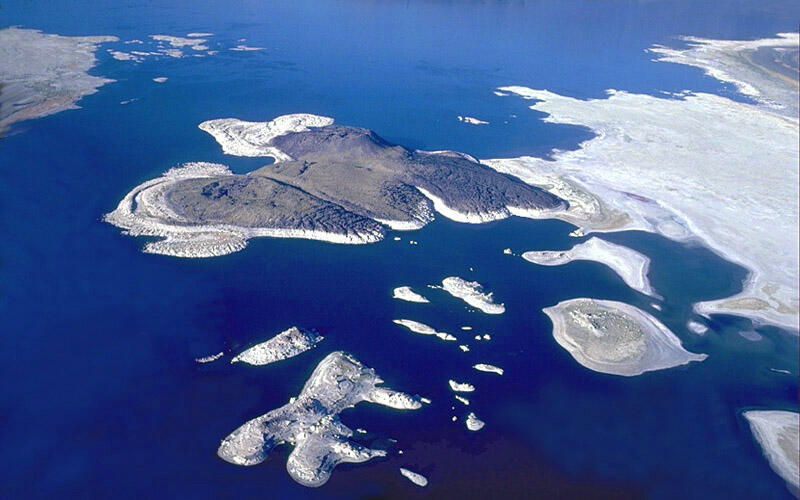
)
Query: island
[
  {"x": 409, "y": 295},
  {"x": 311, "y": 424},
  {"x": 287, "y": 344},
  {"x": 414, "y": 477},
  {"x": 778, "y": 434},
  {"x": 473, "y": 423},
  {"x": 629, "y": 264},
  {"x": 473, "y": 294},
  {"x": 329, "y": 182},
  {"x": 484, "y": 367},
  {"x": 616, "y": 338},
  {"x": 423, "y": 329}
]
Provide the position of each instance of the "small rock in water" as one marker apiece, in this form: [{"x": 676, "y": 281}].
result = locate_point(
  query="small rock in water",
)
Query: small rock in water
[
  {"x": 415, "y": 478},
  {"x": 460, "y": 386},
  {"x": 474, "y": 423}
]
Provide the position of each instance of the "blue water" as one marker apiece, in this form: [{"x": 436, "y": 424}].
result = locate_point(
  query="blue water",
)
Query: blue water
[{"x": 100, "y": 394}]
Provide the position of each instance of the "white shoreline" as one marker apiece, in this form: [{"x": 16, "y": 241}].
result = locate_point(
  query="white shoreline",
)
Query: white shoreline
[
  {"x": 612, "y": 184},
  {"x": 599, "y": 335},
  {"x": 143, "y": 212},
  {"x": 778, "y": 434},
  {"x": 627, "y": 263},
  {"x": 241, "y": 138}
]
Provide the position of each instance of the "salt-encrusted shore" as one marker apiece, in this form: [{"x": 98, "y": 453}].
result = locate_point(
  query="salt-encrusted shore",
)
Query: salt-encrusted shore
[
  {"x": 778, "y": 434},
  {"x": 241, "y": 138},
  {"x": 329, "y": 182},
  {"x": 409, "y": 295},
  {"x": 616, "y": 338},
  {"x": 146, "y": 211},
  {"x": 753, "y": 66},
  {"x": 287, "y": 344},
  {"x": 629, "y": 264},
  {"x": 473, "y": 294},
  {"x": 414, "y": 477},
  {"x": 43, "y": 74},
  {"x": 311, "y": 424},
  {"x": 677, "y": 166}
]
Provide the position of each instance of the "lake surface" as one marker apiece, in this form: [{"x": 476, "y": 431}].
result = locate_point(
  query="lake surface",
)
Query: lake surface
[{"x": 101, "y": 396}]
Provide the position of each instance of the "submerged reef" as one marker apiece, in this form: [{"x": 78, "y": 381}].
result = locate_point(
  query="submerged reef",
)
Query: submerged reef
[
  {"x": 310, "y": 422},
  {"x": 629, "y": 264},
  {"x": 778, "y": 434},
  {"x": 287, "y": 344},
  {"x": 42, "y": 74},
  {"x": 473, "y": 294},
  {"x": 616, "y": 338},
  {"x": 329, "y": 182}
]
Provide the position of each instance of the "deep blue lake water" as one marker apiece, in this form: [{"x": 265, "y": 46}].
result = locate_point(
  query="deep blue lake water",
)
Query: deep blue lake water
[{"x": 100, "y": 394}]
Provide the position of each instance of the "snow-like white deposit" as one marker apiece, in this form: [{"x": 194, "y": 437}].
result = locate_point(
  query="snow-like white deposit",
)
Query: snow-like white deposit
[
  {"x": 460, "y": 386},
  {"x": 310, "y": 422},
  {"x": 483, "y": 367},
  {"x": 629, "y": 264},
  {"x": 414, "y": 477},
  {"x": 731, "y": 61},
  {"x": 473, "y": 423},
  {"x": 241, "y": 138},
  {"x": 42, "y": 74},
  {"x": 472, "y": 293},
  {"x": 462, "y": 400},
  {"x": 701, "y": 165},
  {"x": 472, "y": 121},
  {"x": 778, "y": 434},
  {"x": 616, "y": 338},
  {"x": 145, "y": 212},
  {"x": 287, "y": 344},
  {"x": 160, "y": 79},
  {"x": 407, "y": 294}
]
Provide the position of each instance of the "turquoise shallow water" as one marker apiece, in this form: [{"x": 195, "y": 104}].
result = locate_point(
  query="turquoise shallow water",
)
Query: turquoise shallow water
[{"x": 100, "y": 393}]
